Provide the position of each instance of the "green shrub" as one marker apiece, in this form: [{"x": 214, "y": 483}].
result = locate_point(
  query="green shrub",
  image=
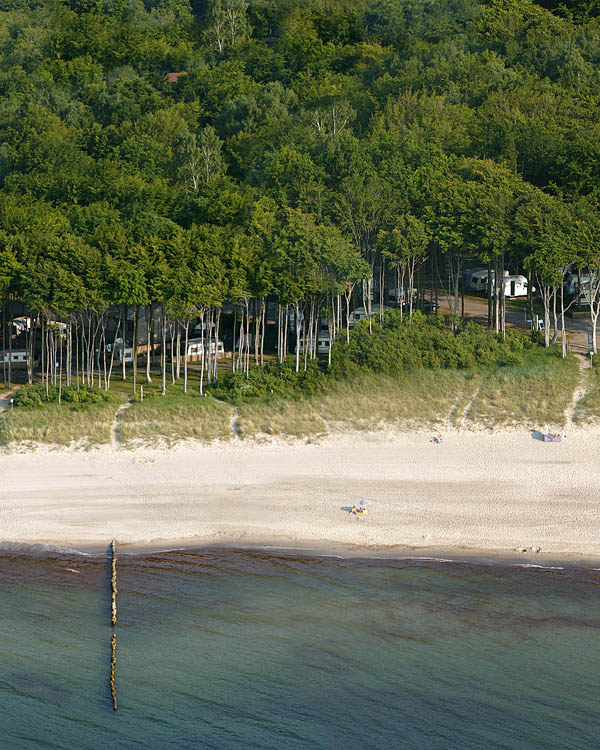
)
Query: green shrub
[
  {"x": 425, "y": 343},
  {"x": 272, "y": 381},
  {"x": 34, "y": 396}
]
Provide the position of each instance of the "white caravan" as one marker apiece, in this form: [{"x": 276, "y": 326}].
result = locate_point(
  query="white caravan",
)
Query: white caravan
[
  {"x": 196, "y": 346},
  {"x": 17, "y": 356},
  {"x": 322, "y": 342},
  {"x": 514, "y": 285}
]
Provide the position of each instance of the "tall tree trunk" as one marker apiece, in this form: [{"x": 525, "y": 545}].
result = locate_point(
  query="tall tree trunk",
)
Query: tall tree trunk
[
  {"x": 202, "y": 354},
  {"x": 554, "y": 317},
  {"x": 233, "y": 338},
  {"x": 297, "y": 312},
  {"x": 124, "y": 344},
  {"x": 185, "y": 356},
  {"x": 136, "y": 310},
  {"x": 112, "y": 352},
  {"x": 149, "y": 315},
  {"x": 43, "y": 349},
  {"x": 563, "y": 331},
  {"x": 10, "y": 330},
  {"x": 163, "y": 358}
]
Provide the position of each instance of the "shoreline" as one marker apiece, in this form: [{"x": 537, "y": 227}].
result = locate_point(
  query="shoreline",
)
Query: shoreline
[
  {"x": 481, "y": 496},
  {"x": 435, "y": 555}
]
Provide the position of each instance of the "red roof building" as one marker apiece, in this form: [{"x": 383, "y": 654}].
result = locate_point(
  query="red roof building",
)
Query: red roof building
[{"x": 174, "y": 77}]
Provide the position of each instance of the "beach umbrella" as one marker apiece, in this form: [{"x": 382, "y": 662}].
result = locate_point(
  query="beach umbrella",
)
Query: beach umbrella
[{"x": 366, "y": 502}]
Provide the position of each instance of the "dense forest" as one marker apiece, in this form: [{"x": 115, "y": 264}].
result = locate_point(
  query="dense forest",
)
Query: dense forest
[{"x": 175, "y": 163}]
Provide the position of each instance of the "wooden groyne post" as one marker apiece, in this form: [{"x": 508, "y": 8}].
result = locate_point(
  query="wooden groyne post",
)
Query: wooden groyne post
[
  {"x": 113, "y": 585},
  {"x": 113, "y": 620},
  {"x": 113, "y": 663}
]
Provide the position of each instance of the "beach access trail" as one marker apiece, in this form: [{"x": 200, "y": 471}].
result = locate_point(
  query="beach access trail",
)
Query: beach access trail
[{"x": 494, "y": 492}]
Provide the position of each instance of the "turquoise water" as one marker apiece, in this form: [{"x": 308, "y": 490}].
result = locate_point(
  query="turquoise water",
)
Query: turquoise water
[{"x": 249, "y": 649}]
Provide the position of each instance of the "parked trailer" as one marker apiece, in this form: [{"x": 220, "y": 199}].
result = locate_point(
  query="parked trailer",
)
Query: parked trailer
[
  {"x": 322, "y": 342},
  {"x": 514, "y": 285},
  {"x": 16, "y": 357},
  {"x": 197, "y": 346}
]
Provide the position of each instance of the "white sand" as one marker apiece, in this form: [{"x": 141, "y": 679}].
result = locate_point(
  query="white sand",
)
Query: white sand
[{"x": 484, "y": 492}]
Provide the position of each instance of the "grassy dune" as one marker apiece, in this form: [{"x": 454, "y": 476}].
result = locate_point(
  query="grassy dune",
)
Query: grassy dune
[
  {"x": 290, "y": 418},
  {"x": 177, "y": 416},
  {"x": 524, "y": 395},
  {"x": 587, "y": 411},
  {"x": 422, "y": 398},
  {"x": 530, "y": 394},
  {"x": 58, "y": 425}
]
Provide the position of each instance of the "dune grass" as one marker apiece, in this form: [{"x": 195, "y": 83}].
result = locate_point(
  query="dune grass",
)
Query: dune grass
[
  {"x": 530, "y": 394},
  {"x": 420, "y": 398},
  {"x": 58, "y": 425},
  {"x": 587, "y": 411},
  {"x": 533, "y": 393},
  {"x": 174, "y": 417},
  {"x": 286, "y": 417}
]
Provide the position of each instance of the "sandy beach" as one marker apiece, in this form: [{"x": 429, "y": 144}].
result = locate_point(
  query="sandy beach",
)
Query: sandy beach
[{"x": 483, "y": 493}]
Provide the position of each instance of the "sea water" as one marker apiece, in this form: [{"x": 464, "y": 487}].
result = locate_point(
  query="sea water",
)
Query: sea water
[{"x": 259, "y": 649}]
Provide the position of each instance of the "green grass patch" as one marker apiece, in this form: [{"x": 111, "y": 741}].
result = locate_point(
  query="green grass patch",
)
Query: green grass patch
[{"x": 174, "y": 417}]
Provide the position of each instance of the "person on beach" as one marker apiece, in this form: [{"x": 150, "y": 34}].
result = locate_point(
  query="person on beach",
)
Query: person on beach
[
  {"x": 437, "y": 440},
  {"x": 354, "y": 510}
]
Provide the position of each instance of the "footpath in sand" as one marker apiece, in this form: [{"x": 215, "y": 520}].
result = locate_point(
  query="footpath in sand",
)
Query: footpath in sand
[{"x": 478, "y": 492}]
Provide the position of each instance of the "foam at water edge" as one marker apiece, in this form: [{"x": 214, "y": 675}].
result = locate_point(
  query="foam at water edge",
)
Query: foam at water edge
[{"x": 41, "y": 550}]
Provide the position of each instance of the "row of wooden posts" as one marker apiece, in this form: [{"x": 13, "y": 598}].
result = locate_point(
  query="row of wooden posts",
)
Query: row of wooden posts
[{"x": 113, "y": 621}]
